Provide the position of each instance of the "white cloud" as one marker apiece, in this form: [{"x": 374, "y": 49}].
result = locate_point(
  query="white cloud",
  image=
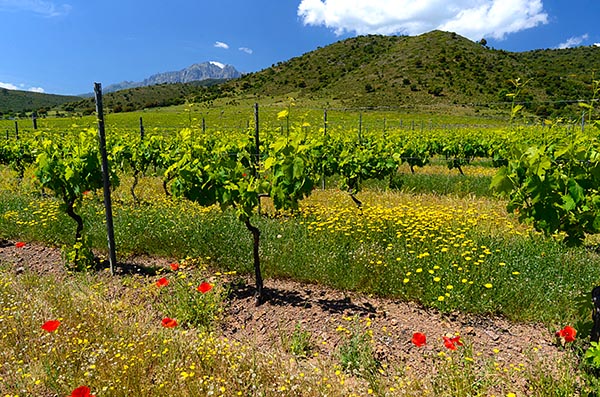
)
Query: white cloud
[
  {"x": 41, "y": 7},
  {"x": 220, "y": 44},
  {"x": 21, "y": 87},
  {"x": 474, "y": 19},
  {"x": 246, "y": 50},
  {"x": 8, "y": 86},
  {"x": 596, "y": 44},
  {"x": 573, "y": 41}
]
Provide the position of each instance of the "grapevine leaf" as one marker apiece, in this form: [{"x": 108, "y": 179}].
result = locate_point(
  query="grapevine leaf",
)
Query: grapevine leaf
[
  {"x": 501, "y": 181},
  {"x": 568, "y": 203},
  {"x": 269, "y": 162},
  {"x": 575, "y": 191},
  {"x": 543, "y": 165},
  {"x": 69, "y": 173},
  {"x": 298, "y": 168},
  {"x": 279, "y": 144}
]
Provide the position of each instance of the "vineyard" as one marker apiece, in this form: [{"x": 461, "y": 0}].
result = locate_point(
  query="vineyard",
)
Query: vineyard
[{"x": 412, "y": 210}]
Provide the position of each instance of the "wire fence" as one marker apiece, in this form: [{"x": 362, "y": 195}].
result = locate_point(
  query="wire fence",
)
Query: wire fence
[{"x": 311, "y": 119}]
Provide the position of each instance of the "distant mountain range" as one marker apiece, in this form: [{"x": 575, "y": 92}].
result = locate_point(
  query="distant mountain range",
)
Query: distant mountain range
[
  {"x": 197, "y": 72},
  {"x": 203, "y": 74}
]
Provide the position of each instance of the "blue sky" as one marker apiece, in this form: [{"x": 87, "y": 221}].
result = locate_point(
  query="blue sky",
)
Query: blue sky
[{"x": 64, "y": 46}]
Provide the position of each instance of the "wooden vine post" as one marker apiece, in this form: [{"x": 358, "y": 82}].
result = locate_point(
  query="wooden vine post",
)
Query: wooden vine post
[
  {"x": 112, "y": 258},
  {"x": 256, "y": 141},
  {"x": 325, "y": 135},
  {"x": 141, "y": 129},
  {"x": 595, "y": 333},
  {"x": 260, "y": 296}
]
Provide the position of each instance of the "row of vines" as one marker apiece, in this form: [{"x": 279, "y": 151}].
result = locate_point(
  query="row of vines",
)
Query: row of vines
[{"x": 552, "y": 175}]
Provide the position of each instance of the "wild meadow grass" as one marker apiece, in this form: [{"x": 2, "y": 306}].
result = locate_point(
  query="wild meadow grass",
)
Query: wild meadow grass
[
  {"x": 111, "y": 338},
  {"x": 455, "y": 252},
  {"x": 447, "y": 252}
]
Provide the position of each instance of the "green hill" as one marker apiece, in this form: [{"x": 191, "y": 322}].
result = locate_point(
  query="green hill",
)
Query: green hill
[
  {"x": 13, "y": 101},
  {"x": 436, "y": 70}
]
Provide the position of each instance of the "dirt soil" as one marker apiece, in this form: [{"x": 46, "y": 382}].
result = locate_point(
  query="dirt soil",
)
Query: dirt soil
[{"x": 322, "y": 311}]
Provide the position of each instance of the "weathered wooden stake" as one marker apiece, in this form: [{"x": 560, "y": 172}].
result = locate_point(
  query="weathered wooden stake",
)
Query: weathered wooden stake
[
  {"x": 141, "y": 129},
  {"x": 112, "y": 258},
  {"x": 325, "y": 134},
  {"x": 34, "y": 120},
  {"x": 595, "y": 334},
  {"x": 360, "y": 127},
  {"x": 257, "y": 148},
  {"x": 260, "y": 296},
  {"x": 256, "y": 141}
]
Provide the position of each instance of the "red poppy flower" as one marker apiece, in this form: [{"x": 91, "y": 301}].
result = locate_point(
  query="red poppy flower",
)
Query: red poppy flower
[
  {"x": 174, "y": 266},
  {"x": 82, "y": 391},
  {"x": 51, "y": 325},
  {"x": 568, "y": 333},
  {"x": 20, "y": 244},
  {"x": 85, "y": 193},
  {"x": 204, "y": 287},
  {"x": 451, "y": 343},
  {"x": 419, "y": 339},
  {"x": 162, "y": 282},
  {"x": 169, "y": 322}
]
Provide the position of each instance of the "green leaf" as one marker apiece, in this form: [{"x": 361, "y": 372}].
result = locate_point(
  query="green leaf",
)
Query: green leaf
[
  {"x": 543, "y": 165},
  {"x": 269, "y": 162},
  {"x": 568, "y": 203},
  {"x": 69, "y": 173},
  {"x": 501, "y": 181},
  {"x": 516, "y": 109},
  {"x": 298, "y": 171},
  {"x": 576, "y": 191},
  {"x": 279, "y": 144}
]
